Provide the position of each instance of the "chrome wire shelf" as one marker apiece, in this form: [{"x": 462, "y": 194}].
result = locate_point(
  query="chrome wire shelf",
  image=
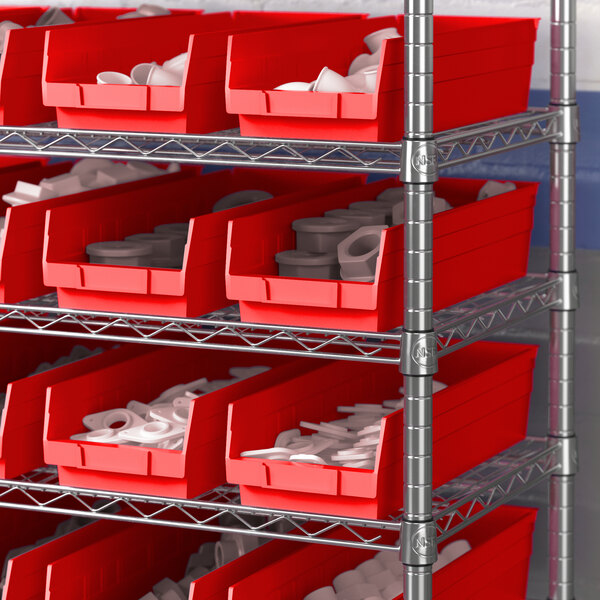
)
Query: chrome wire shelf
[
  {"x": 456, "y": 504},
  {"x": 229, "y": 148},
  {"x": 455, "y": 327}
]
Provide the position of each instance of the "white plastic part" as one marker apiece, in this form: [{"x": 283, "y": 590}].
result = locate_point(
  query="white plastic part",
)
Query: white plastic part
[
  {"x": 26, "y": 192},
  {"x": 144, "y": 170},
  {"x": 358, "y": 253},
  {"x": 364, "y": 61},
  {"x": 107, "y": 436},
  {"x": 139, "y": 73},
  {"x": 327, "y": 430},
  {"x": 205, "y": 557},
  {"x": 456, "y": 549},
  {"x": 495, "y": 188},
  {"x": 160, "y": 76},
  {"x": 296, "y": 86},
  {"x": 152, "y": 10},
  {"x": 285, "y": 437},
  {"x": 348, "y": 579},
  {"x": 149, "y": 596},
  {"x": 382, "y": 579},
  {"x": 312, "y": 459},
  {"x": 153, "y": 432},
  {"x": 175, "y": 391},
  {"x": 440, "y": 563},
  {"x": 232, "y": 546},
  {"x": 323, "y": 593},
  {"x": 170, "y": 414},
  {"x": 366, "y": 409},
  {"x": 387, "y": 557},
  {"x": 177, "y": 63},
  {"x": 395, "y": 404},
  {"x": 4, "y": 27},
  {"x": 108, "y": 418},
  {"x": 359, "y": 592},
  {"x": 331, "y": 81},
  {"x": 63, "y": 185},
  {"x": 364, "y": 80},
  {"x": 167, "y": 589},
  {"x": 115, "y": 174},
  {"x": 268, "y": 453},
  {"x": 375, "y": 39},
  {"x": 393, "y": 590},
  {"x": 173, "y": 444},
  {"x": 240, "y": 198},
  {"x": 113, "y": 78}
]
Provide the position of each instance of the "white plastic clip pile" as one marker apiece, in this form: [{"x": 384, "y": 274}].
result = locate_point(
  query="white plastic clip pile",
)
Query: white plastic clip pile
[{"x": 348, "y": 442}]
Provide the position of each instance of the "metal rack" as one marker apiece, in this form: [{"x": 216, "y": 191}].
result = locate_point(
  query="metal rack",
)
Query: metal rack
[{"x": 428, "y": 516}]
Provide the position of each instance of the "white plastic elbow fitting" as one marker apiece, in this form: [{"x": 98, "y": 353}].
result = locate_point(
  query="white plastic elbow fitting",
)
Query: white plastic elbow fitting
[{"x": 495, "y": 188}]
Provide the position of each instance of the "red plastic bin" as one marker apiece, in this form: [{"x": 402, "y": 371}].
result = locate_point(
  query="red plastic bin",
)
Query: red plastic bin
[
  {"x": 495, "y": 568},
  {"x": 73, "y": 58},
  {"x": 467, "y": 243},
  {"x": 22, "y": 422},
  {"x": 199, "y": 467},
  {"x": 21, "y": 247},
  {"x": 22, "y": 60},
  {"x": 22, "y": 528},
  {"x": 197, "y": 288},
  {"x": 489, "y": 387},
  {"x": 482, "y": 70}
]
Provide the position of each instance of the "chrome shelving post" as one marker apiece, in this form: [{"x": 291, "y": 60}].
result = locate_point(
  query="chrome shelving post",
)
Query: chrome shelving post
[
  {"x": 561, "y": 429},
  {"x": 419, "y": 347}
]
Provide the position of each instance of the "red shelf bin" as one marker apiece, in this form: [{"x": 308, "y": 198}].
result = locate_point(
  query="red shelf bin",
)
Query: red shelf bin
[
  {"x": 22, "y": 423},
  {"x": 495, "y": 568},
  {"x": 21, "y": 246},
  {"x": 482, "y": 70},
  {"x": 22, "y": 528},
  {"x": 22, "y": 61},
  {"x": 467, "y": 243},
  {"x": 73, "y": 58},
  {"x": 489, "y": 387},
  {"x": 105, "y": 559},
  {"x": 199, "y": 467},
  {"x": 197, "y": 288}
]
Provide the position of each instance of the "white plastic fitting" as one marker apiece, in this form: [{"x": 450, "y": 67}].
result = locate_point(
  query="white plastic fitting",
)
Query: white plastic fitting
[
  {"x": 375, "y": 39},
  {"x": 495, "y": 188},
  {"x": 247, "y": 372},
  {"x": 364, "y": 61},
  {"x": 139, "y": 74},
  {"x": 382, "y": 579},
  {"x": 63, "y": 185},
  {"x": 456, "y": 549},
  {"x": 362, "y": 217},
  {"x": 393, "y": 590},
  {"x": 391, "y": 195},
  {"x": 158, "y": 75},
  {"x": 232, "y": 546},
  {"x": 359, "y": 592},
  {"x": 107, "y": 419},
  {"x": 296, "y": 86},
  {"x": 364, "y": 80},
  {"x": 53, "y": 16},
  {"x": 177, "y": 63},
  {"x": 152, "y": 433},
  {"x": 25, "y": 193},
  {"x": 348, "y": 579},
  {"x": 113, "y": 78},
  {"x": 332, "y": 82},
  {"x": 323, "y": 593},
  {"x": 170, "y": 414},
  {"x": 358, "y": 253}
]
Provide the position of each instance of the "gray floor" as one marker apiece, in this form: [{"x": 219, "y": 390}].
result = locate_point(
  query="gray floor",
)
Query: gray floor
[{"x": 588, "y": 425}]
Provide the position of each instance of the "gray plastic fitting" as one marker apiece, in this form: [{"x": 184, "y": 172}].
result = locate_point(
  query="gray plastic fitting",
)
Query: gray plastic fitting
[
  {"x": 358, "y": 253},
  {"x": 240, "y": 199},
  {"x": 376, "y": 207},
  {"x": 125, "y": 253},
  {"x": 321, "y": 234},
  {"x": 180, "y": 229},
  {"x": 167, "y": 248},
  {"x": 392, "y": 195},
  {"x": 298, "y": 263},
  {"x": 360, "y": 217}
]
